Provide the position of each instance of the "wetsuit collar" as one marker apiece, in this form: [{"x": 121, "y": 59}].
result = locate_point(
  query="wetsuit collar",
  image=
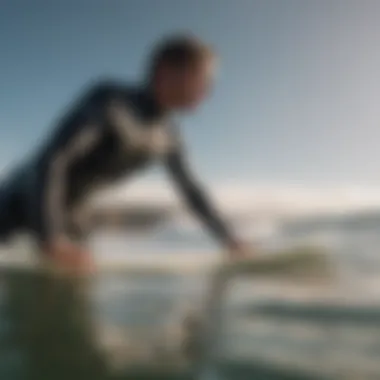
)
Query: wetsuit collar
[{"x": 151, "y": 105}]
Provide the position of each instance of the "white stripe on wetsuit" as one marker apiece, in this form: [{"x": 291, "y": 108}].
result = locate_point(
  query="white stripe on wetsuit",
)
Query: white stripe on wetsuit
[
  {"x": 150, "y": 138},
  {"x": 56, "y": 183}
]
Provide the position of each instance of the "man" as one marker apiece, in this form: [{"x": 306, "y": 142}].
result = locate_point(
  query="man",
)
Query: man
[{"x": 113, "y": 131}]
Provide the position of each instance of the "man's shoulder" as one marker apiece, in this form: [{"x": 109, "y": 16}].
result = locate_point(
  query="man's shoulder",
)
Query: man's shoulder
[{"x": 108, "y": 87}]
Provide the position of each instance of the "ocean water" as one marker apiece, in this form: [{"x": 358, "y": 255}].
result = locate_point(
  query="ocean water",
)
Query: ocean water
[{"x": 128, "y": 322}]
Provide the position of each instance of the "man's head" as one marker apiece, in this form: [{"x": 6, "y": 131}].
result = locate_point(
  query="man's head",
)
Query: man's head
[{"x": 181, "y": 72}]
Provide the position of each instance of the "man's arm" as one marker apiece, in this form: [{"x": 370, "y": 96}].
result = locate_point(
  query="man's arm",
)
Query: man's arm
[
  {"x": 179, "y": 170},
  {"x": 76, "y": 134}
]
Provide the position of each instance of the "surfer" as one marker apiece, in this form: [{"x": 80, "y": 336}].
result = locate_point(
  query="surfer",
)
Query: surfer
[{"x": 112, "y": 131}]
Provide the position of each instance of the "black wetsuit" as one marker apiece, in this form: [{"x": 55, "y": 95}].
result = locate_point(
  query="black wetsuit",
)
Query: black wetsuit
[{"x": 111, "y": 132}]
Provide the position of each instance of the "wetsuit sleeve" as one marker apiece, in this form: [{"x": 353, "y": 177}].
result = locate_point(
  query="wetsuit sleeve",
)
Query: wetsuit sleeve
[
  {"x": 195, "y": 196},
  {"x": 76, "y": 134}
]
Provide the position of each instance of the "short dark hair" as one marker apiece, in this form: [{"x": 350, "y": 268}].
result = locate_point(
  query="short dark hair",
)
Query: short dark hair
[{"x": 178, "y": 51}]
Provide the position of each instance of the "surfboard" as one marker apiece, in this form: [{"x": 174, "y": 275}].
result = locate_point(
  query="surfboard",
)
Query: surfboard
[{"x": 304, "y": 263}]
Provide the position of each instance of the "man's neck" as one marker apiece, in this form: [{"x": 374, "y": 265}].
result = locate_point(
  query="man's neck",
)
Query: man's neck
[{"x": 157, "y": 100}]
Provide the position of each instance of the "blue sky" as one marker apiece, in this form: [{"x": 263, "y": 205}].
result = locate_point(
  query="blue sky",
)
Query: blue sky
[{"x": 297, "y": 96}]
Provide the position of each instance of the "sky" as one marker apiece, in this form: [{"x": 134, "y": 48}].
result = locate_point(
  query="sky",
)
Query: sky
[{"x": 295, "y": 103}]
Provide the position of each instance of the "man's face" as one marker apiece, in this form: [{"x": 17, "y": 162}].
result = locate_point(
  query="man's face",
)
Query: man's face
[{"x": 190, "y": 85}]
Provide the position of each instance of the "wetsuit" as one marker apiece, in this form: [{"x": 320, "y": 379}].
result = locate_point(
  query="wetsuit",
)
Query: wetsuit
[{"x": 112, "y": 131}]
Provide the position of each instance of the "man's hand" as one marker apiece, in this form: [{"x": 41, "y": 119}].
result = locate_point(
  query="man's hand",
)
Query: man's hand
[
  {"x": 69, "y": 257},
  {"x": 239, "y": 250}
]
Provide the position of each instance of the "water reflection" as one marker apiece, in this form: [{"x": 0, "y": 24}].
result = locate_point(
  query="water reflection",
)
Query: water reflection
[
  {"x": 108, "y": 327},
  {"x": 128, "y": 326},
  {"x": 50, "y": 327}
]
